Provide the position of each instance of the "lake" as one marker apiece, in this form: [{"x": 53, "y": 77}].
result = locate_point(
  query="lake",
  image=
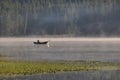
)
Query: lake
[
  {"x": 100, "y": 49},
  {"x": 84, "y": 75}
]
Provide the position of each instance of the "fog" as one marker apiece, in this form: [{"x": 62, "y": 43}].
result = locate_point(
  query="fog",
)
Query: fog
[
  {"x": 9, "y": 39},
  {"x": 96, "y": 49}
]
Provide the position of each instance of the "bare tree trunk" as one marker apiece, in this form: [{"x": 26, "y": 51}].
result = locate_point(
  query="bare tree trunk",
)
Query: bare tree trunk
[{"x": 26, "y": 21}]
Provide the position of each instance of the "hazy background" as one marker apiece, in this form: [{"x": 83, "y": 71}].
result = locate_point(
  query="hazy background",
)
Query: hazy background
[{"x": 99, "y": 18}]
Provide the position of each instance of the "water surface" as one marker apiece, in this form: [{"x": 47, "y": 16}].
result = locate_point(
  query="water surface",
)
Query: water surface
[
  {"x": 61, "y": 49},
  {"x": 85, "y": 75}
]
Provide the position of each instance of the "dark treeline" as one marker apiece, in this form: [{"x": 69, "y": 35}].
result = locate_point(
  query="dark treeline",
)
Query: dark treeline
[{"x": 60, "y": 17}]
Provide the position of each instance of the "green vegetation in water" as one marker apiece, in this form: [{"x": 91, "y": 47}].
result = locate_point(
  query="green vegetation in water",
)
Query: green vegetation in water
[{"x": 42, "y": 67}]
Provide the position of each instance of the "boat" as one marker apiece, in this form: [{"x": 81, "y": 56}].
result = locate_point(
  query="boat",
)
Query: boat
[
  {"x": 45, "y": 42},
  {"x": 42, "y": 43}
]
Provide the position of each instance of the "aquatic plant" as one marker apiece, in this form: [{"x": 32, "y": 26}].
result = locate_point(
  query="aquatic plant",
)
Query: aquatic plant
[{"x": 43, "y": 67}]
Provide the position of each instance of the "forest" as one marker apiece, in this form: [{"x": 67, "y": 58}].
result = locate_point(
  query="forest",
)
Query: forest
[{"x": 96, "y": 18}]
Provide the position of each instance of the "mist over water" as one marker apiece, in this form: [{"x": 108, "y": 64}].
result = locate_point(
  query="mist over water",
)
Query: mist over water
[
  {"x": 89, "y": 49},
  {"x": 98, "y": 49}
]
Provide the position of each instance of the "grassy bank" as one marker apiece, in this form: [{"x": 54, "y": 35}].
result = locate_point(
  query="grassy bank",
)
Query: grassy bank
[{"x": 28, "y": 68}]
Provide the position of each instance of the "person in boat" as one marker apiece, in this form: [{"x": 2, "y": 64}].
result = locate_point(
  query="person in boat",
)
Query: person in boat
[
  {"x": 38, "y": 41},
  {"x": 46, "y": 42}
]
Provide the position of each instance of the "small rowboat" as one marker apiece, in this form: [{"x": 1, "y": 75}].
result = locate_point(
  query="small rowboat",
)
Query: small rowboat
[
  {"x": 42, "y": 43},
  {"x": 45, "y": 42}
]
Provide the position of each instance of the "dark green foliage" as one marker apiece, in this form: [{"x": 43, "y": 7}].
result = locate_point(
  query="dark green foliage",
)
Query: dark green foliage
[{"x": 59, "y": 17}]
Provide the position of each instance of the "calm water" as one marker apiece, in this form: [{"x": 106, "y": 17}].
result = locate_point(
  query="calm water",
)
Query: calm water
[
  {"x": 61, "y": 49},
  {"x": 90, "y": 75}
]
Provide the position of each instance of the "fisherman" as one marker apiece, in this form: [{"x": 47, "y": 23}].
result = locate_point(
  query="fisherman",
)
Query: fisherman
[{"x": 38, "y": 41}]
